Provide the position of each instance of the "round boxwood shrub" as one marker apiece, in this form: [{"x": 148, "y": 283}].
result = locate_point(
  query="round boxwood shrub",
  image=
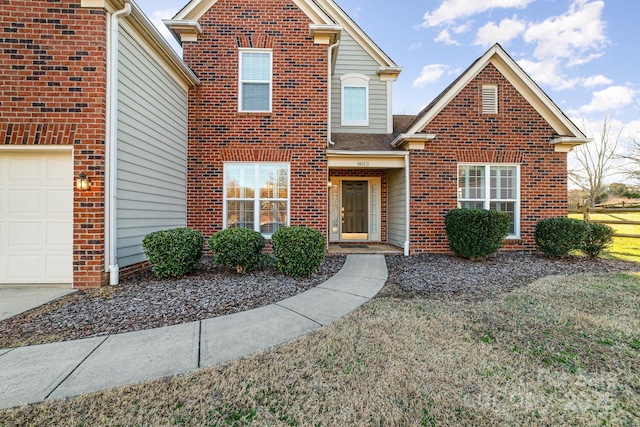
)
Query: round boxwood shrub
[
  {"x": 558, "y": 236},
  {"x": 598, "y": 239},
  {"x": 173, "y": 252},
  {"x": 476, "y": 233},
  {"x": 239, "y": 248},
  {"x": 299, "y": 250}
]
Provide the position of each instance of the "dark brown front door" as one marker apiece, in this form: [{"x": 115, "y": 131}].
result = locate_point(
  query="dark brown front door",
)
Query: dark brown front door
[{"x": 355, "y": 197}]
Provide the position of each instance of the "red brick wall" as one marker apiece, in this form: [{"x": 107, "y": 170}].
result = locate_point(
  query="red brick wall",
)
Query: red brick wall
[
  {"x": 517, "y": 134},
  {"x": 296, "y": 129},
  {"x": 370, "y": 173},
  {"x": 53, "y": 70}
]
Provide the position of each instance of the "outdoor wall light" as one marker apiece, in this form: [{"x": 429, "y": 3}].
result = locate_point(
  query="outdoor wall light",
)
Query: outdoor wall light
[
  {"x": 329, "y": 184},
  {"x": 83, "y": 183}
]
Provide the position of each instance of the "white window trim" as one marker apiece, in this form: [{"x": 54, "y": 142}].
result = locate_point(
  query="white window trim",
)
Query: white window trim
[
  {"x": 492, "y": 91},
  {"x": 240, "y": 81},
  {"x": 354, "y": 80},
  {"x": 256, "y": 198},
  {"x": 487, "y": 191}
]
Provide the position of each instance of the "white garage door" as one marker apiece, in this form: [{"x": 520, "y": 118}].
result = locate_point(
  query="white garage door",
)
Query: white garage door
[{"x": 36, "y": 217}]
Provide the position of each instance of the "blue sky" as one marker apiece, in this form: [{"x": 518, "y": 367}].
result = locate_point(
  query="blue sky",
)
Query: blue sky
[{"x": 583, "y": 53}]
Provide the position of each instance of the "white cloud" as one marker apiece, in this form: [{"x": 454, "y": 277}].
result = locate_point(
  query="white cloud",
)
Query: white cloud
[
  {"x": 548, "y": 73},
  {"x": 462, "y": 28},
  {"x": 445, "y": 37},
  {"x": 576, "y": 32},
  {"x": 430, "y": 74},
  {"x": 598, "y": 80},
  {"x": 451, "y": 10},
  {"x": 506, "y": 30},
  {"x": 415, "y": 46},
  {"x": 610, "y": 99},
  {"x": 580, "y": 60}
]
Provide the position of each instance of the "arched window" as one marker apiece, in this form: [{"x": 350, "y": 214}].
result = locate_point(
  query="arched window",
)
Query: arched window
[{"x": 355, "y": 100}]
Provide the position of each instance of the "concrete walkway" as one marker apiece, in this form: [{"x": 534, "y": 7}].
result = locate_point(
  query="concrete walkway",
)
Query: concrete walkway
[
  {"x": 17, "y": 299},
  {"x": 49, "y": 371}
]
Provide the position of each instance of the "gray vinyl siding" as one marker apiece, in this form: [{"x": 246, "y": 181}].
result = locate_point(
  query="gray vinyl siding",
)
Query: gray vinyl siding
[
  {"x": 352, "y": 58},
  {"x": 152, "y": 147},
  {"x": 397, "y": 208}
]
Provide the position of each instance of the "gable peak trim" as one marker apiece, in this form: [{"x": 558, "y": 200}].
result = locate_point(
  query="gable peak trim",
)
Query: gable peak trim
[{"x": 517, "y": 77}]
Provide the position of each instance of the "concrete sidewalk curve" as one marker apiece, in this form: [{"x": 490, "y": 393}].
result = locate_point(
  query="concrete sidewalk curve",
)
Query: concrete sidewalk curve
[{"x": 49, "y": 371}]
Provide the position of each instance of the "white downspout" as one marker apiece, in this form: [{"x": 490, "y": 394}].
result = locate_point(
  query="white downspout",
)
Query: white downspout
[
  {"x": 112, "y": 141},
  {"x": 407, "y": 179},
  {"x": 329, "y": 69},
  {"x": 329, "y": 141}
]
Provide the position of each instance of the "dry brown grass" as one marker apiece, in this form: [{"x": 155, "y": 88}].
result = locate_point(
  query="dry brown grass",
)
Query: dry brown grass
[{"x": 562, "y": 351}]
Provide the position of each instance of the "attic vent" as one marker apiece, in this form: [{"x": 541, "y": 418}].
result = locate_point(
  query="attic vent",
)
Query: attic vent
[{"x": 489, "y": 99}]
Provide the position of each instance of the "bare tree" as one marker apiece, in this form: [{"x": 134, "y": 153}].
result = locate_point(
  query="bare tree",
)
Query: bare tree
[
  {"x": 632, "y": 159},
  {"x": 594, "y": 162}
]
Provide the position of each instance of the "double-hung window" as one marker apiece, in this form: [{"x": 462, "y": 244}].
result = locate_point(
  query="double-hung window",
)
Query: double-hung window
[
  {"x": 495, "y": 187},
  {"x": 256, "y": 196},
  {"x": 255, "y": 80},
  {"x": 355, "y": 100}
]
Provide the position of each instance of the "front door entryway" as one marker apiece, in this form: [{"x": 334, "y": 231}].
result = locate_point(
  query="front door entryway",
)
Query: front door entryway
[{"x": 355, "y": 211}]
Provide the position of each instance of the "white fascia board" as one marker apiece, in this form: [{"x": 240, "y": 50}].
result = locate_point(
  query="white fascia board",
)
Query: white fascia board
[
  {"x": 194, "y": 10},
  {"x": 412, "y": 137},
  {"x": 182, "y": 30},
  {"x": 367, "y": 153},
  {"x": 564, "y": 144}
]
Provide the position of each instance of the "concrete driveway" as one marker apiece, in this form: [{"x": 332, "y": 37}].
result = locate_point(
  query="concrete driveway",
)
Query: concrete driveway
[{"x": 15, "y": 299}]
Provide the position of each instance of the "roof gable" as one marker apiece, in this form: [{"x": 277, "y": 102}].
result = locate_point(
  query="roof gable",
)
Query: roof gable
[
  {"x": 322, "y": 13},
  {"x": 520, "y": 80}
]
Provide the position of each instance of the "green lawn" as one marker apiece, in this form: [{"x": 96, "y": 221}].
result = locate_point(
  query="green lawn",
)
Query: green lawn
[
  {"x": 563, "y": 351},
  {"x": 623, "y": 248}
]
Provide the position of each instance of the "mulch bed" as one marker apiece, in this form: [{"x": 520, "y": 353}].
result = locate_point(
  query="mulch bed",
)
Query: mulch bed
[{"x": 447, "y": 276}]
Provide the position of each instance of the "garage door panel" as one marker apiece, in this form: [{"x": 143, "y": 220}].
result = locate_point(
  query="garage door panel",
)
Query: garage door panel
[
  {"x": 58, "y": 268},
  {"x": 25, "y": 170},
  {"x": 25, "y": 235},
  {"x": 25, "y": 268},
  {"x": 56, "y": 172},
  {"x": 58, "y": 201},
  {"x": 23, "y": 201},
  {"x": 59, "y": 235}
]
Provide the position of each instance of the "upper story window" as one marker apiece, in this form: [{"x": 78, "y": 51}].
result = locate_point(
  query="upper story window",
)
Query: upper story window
[
  {"x": 355, "y": 100},
  {"x": 491, "y": 186},
  {"x": 489, "y": 99},
  {"x": 255, "y": 80}
]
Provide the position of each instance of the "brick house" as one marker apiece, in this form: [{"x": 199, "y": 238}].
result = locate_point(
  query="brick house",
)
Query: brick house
[
  {"x": 292, "y": 125},
  {"x": 279, "y": 114},
  {"x": 83, "y": 94}
]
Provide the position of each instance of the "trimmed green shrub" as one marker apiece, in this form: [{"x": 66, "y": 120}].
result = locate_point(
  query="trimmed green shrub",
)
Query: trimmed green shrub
[
  {"x": 600, "y": 236},
  {"x": 476, "y": 233},
  {"x": 558, "y": 236},
  {"x": 299, "y": 250},
  {"x": 173, "y": 252},
  {"x": 239, "y": 248}
]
